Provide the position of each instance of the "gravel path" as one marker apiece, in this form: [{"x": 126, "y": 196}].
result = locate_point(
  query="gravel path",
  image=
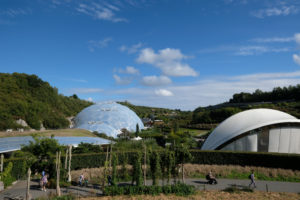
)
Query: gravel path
[{"x": 18, "y": 191}]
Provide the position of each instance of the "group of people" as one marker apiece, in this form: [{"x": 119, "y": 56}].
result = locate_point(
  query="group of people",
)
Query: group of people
[{"x": 212, "y": 180}]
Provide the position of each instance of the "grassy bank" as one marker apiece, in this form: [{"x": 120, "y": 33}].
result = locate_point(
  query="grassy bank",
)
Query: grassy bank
[
  {"x": 220, "y": 171},
  {"x": 48, "y": 133}
]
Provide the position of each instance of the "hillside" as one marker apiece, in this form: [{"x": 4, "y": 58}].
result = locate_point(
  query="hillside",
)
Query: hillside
[
  {"x": 29, "y": 98},
  {"x": 286, "y": 99}
]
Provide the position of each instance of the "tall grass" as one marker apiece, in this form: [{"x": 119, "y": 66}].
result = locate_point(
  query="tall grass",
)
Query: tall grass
[{"x": 200, "y": 171}]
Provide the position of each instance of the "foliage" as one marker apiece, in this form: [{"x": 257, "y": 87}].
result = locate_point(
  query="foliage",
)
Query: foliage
[
  {"x": 43, "y": 150},
  {"x": 178, "y": 189},
  {"x": 155, "y": 166},
  {"x": 167, "y": 163},
  {"x": 137, "y": 174},
  {"x": 272, "y": 160},
  {"x": 6, "y": 175},
  {"x": 29, "y": 98},
  {"x": 87, "y": 148},
  {"x": 114, "y": 170},
  {"x": 237, "y": 189},
  {"x": 103, "y": 135}
]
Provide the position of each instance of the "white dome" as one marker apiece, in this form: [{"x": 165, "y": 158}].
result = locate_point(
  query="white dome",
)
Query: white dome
[
  {"x": 243, "y": 122},
  {"x": 108, "y": 118}
]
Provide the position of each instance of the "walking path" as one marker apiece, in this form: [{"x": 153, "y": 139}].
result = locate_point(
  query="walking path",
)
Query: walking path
[{"x": 18, "y": 191}]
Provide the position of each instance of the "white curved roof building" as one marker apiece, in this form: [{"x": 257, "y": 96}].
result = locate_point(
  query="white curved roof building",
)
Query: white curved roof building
[
  {"x": 258, "y": 130},
  {"x": 108, "y": 118}
]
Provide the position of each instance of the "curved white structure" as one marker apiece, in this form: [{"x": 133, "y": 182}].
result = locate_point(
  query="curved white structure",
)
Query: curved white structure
[
  {"x": 263, "y": 130},
  {"x": 108, "y": 118}
]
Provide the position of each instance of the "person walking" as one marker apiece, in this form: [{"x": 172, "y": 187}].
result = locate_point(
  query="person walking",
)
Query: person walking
[
  {"x": 252, "y": 178},
  {"x": 44, "y": 182},
  {"x": 81, "y": 179}
]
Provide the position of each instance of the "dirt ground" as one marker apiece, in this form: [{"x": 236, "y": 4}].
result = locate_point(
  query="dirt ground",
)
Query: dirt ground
[{"x": 209, "y": 195}]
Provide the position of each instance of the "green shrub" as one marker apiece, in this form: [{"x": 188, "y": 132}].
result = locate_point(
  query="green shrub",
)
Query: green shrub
[
  {"x": 236, "y": 189},
  {"x": 178, "y": 189},
  {"x": 6, "y": 174}
]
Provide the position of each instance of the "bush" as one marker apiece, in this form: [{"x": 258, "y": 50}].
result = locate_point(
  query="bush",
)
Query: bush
[
  {"x": 178, "y": 189},
  {"x": 271, "y": 160},
  {"x": 7, "y": 178}
]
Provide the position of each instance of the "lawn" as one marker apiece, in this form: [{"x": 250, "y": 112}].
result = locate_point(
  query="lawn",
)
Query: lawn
[
  {"x": 48, "y": 133},
  {"x": 193, "y": 132}
]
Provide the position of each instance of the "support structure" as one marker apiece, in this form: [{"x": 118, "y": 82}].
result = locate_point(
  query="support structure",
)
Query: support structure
[
  {"x": 1, "y": 165},
  {"x": 28, "y": 196},
  {"x": 70, "y": 161},
  {"x": 58, "y": 154},
  {"x": 145, "y": 164}
]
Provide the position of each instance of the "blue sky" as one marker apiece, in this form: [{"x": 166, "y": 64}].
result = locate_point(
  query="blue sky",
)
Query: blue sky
[{"x": 173, "y": 54}]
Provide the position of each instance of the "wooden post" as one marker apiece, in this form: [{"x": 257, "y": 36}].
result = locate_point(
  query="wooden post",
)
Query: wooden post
[
  {"x": 182, "y": 172},
  {"x": 1, "y": 165},
  {"x": 145, "y": 164},
  {"x": 66, "y": 159},
  {"x": 58, "y": 154},
  {"x": 110, "y": 156},
  {"x": 28, "y": 196},
  {"x": 70, "y": 159}
]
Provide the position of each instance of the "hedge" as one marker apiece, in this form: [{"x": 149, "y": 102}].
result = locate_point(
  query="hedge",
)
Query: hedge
[
  {"x": 259, "y": 159},
  {"x": 270, "y": 160}
]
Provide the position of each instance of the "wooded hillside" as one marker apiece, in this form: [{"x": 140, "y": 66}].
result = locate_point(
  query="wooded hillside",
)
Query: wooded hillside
[{"x": 29, "y": 98}]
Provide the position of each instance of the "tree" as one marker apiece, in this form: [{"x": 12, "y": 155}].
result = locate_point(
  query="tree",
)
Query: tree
[
  {"x": 155, "y": 167},
  {"x": 137, "y": 174},
  {"x": 182, "y": 155},
  {"x": 44, "y": 150},
  {"x": 137, "y": 130},
  {"x": 114, "y": 170}
]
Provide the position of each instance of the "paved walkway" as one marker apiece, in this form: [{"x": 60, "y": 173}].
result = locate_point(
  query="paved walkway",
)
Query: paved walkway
[{"x": 18, "y": 191}]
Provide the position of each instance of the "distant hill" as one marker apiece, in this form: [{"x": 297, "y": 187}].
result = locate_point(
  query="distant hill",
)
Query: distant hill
[
  {"x": 29, "y": 98},
  {"x": 286, "y": 99}
]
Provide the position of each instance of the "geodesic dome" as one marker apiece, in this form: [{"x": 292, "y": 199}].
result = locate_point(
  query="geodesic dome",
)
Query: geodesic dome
[{"x": 108, "y": 118}]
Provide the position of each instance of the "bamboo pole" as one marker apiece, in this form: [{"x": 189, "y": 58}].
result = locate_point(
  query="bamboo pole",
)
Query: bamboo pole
[
  {"x": 66, "y": 159},
  {"x": 145, "y": 164},
  {"x": 58, "y": 154},
  {"x": 1, "y": 165},
  {"x": 28, "y": 196},
  {"x": 70, "y": 161}
]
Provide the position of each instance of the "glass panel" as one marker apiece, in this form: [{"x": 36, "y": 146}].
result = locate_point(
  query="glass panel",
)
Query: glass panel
[{"x": 263, "y": 140}]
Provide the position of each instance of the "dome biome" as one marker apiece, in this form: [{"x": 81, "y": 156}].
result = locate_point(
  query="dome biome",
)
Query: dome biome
[
  {"x": 108, "y": 118},
  {"x": 257, "y": 130}
]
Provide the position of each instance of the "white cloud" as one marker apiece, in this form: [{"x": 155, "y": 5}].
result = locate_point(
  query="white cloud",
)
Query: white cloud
[
  {"x": 84, "y": 90},
  {"x": 297, "y": 37},
  {"x": 102, "y": 12},
  {"x": 131, "y": 49},
  {"x": 257, "y": 50},
  {"x": 168, "y": 60},
  {"x": 95, "y": 44},
  {"x": 273, "y": 39},
  {"x": 208, "y": 92},
  {"x": 129, "y": 70},
  {"x": 296, "y": 58},
  {"x": 164, "y": 93},
  {"x": 275, "y": 11},
  {"x": 156, "y": 80},
  {"x": 15, "y": 12},
  {"x": 122, "y": 81},
  {"x": 90, "y": 99}
]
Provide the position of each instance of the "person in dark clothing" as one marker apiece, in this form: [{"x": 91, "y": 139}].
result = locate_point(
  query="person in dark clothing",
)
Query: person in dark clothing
[{"x": 211, "y": 179}]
